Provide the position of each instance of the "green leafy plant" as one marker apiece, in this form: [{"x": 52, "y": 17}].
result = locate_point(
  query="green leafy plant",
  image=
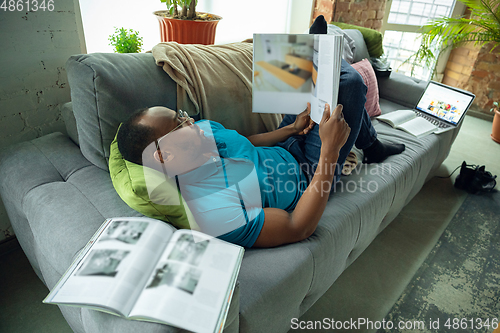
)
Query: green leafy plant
[
  {"x": 126, "y": 41},
  {"x": 481, "y": 28},
  {"x": 495, "y": 107},
  {"x": 188, "y": 8}
]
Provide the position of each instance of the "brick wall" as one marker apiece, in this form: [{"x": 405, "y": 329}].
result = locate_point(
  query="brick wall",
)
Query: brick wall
[
  {"x": 460, "y": 65},
  {"x": 325, "y": 8},
  {"x": 365, "y": 13},
  {"x": 33, "y": 83},
  {"x": 469, "y": 67},
  {"x": 476, "y": 69}
]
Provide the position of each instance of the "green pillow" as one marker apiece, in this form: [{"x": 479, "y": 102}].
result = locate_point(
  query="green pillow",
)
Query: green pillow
[
  {"x": 373, "y": 38},
  {"x": 129, "y": 180}
]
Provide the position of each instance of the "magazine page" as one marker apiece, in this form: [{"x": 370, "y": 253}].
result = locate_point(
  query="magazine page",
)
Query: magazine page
[
  {"x": 326, "y": 73},
  {"x": 282, "y": 72},
  {"x": 115, "y": 266},
  {"x": 397, "y": 117},
  {"x": 190, "y": 285},
  {"x": 291, "y": 70}
]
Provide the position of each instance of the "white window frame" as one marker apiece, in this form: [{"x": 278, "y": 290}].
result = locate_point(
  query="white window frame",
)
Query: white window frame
[{"x": 458, "y": 10}]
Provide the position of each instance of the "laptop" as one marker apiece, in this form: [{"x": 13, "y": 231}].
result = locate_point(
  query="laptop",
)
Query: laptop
[{"x": 443, "y": 106}]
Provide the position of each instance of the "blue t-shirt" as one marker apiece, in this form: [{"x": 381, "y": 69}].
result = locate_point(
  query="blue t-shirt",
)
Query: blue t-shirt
[{"x": 276, "y": 176}]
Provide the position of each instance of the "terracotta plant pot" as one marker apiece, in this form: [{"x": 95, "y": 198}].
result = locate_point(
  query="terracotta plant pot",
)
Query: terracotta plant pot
[
  {"x": 495, "y": 131},
  {"x": 187, "y": 31}
]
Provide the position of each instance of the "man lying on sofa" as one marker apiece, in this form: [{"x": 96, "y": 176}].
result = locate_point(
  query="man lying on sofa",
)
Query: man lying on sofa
[{"x": 299, "y": 152}]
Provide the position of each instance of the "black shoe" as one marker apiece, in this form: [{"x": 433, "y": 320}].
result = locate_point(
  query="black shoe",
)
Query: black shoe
[
  {"x": 474, "y": 178},
  {"x": 464, "y": 179},
  {"x": 483, "y": 180}
]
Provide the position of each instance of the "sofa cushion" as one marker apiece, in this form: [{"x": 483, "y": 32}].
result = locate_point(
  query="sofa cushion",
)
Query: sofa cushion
[
  {"x": 360, "y": 50},
  {"x": 373, "y": 38},
  {"x": 401, "y": 89},
  {"x": 365, "y": 69},
  {"x": 106, "y": 88},
  {"x": 129, "y": 181}
]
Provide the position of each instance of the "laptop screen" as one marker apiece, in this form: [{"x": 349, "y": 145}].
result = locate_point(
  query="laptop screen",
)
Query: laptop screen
[{"x": 445, "y": 102}]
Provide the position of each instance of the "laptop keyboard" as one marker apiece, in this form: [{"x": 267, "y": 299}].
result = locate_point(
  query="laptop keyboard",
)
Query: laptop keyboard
[{"x": 433, "y": 121}]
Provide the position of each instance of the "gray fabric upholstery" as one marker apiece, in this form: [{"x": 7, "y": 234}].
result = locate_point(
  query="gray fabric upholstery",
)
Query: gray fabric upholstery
[
  {"x": 361, "y": 52},
  {"x": 106, "y": 89},
  {"x": 401, "y": 89},
  {"x": 58, "y": 194},
  {"x": 70, "y": 122}
]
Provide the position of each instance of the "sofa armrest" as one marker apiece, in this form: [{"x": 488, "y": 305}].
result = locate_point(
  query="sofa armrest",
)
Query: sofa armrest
[
  {"x": 106, "y": 88},
  {"x": 70, "y": 122},
  {"x": 401, "y": 89},
  {"x": 30, "y": 166}
]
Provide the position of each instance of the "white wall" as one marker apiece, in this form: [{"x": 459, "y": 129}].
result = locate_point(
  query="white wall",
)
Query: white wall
[
  {"x": 240, "y": 19},
  {"x": 33, "y": 83}
]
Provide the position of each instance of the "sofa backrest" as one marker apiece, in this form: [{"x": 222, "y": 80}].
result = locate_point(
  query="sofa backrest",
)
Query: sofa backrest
[
  {"x": 360, "y": 52},
  {"x": 106, "y": 88}
]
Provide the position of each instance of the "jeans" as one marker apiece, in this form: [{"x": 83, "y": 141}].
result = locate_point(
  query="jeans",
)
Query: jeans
[{"x": 352, "y": 95}]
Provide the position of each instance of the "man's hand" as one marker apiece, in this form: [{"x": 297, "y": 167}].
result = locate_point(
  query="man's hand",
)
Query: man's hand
[
  {"x": 333, "y": 130},
  {"x": 281, "y": 227},
  {"x": 303, "y": 123}
]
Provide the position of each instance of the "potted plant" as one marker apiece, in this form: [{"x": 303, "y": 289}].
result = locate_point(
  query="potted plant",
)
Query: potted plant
[
  {"x": 125, "y": 41},
  {"x": 481, "y": 28},
  {"x": 182, "y": 24},
  {"x": 495, "y": 130}
]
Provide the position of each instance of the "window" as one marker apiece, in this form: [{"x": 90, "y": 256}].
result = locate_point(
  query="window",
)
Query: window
[
  {"x": 240, "y": 19},
  {"x": 403, "y": 18},
  {"x": 418, "y": 12}
]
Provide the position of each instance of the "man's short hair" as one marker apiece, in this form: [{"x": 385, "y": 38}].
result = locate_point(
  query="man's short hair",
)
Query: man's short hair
[{"x": 133, "y": 138}]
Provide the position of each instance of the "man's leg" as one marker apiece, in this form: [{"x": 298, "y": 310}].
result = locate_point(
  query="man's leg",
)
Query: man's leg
[
  {"x": 352, "y": 95},
  {"x": 295, "y": 146}
]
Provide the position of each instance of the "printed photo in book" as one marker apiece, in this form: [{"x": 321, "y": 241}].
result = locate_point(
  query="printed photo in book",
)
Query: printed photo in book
[
  {"x": 142, "y": 269},
  {"x": 290, "y": 70}
]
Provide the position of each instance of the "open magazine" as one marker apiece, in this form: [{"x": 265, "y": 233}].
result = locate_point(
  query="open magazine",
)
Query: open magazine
[
  {"x": 142, "y": 269},
  {"x": 291, "y": 70},
  {"x": 408, "y": 121}
]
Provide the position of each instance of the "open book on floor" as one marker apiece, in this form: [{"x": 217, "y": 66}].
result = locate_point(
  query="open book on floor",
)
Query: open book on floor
[
  {"x": 291, "y": 70},
  {"x": 142, "y": 269}
]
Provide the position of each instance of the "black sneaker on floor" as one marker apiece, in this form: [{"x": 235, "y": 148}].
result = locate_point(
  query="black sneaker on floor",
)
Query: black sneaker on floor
[{"x": 474, "y": 178}]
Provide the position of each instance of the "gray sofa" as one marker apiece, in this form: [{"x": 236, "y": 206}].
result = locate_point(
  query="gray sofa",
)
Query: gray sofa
[{"x": 57, "y": 192}]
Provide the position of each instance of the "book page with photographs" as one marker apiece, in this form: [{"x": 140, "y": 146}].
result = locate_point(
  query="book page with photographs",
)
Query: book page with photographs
[
  {"x": 113, "y": 268},
  {"x": 290, "y": 70},
  {"x": 191, "y": 283}
]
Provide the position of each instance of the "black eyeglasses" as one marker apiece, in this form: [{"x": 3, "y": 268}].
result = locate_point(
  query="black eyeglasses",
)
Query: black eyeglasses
[{"x": 180, "y": 114}]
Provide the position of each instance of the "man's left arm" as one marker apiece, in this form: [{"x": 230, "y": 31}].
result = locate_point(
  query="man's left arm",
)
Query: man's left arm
[{"x": 302, "y": 125}]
